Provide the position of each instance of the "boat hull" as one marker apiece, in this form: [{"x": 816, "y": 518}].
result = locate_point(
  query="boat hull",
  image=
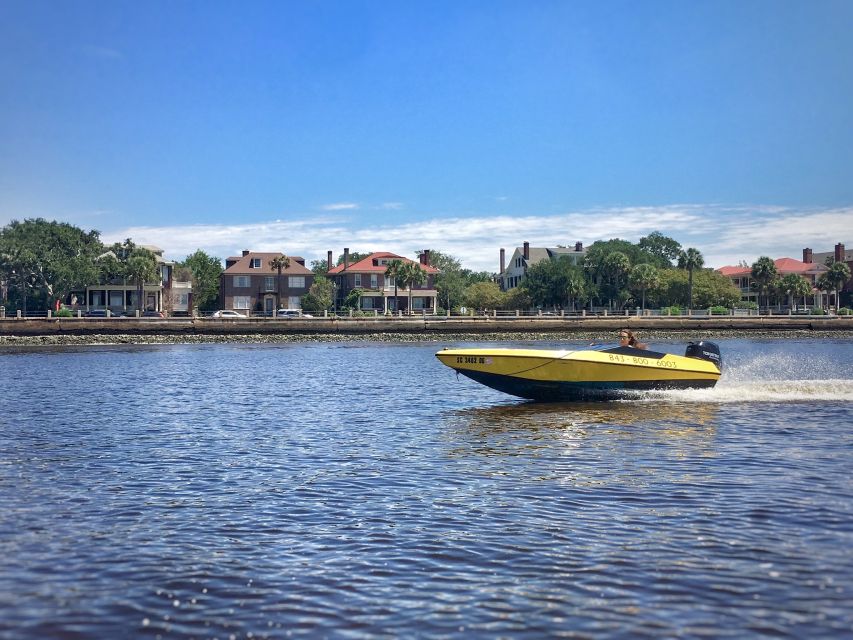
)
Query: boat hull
[{"x": 554, "y": 376}]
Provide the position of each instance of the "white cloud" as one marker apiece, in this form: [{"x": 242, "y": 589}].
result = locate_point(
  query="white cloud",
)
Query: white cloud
[
  {"x": 724, "y": 234},
  {"x": 339, "y": 206}
]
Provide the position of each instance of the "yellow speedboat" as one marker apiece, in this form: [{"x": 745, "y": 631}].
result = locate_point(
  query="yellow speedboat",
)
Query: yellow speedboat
[{"x": 587, "y": 374}]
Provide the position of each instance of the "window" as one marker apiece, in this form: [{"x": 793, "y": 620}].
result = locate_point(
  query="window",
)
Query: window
[
  {"x": 293, "y": 302},
  {"x": 389, "y": 282},
  {"x": 357, "y": 279},
  {"x": 183, "y": 299},
  {"x": 242, "y": 302},
  {"x": 296, "y": 282},
  {"x": 241, "y": 282},
  {"x": 367, "y": 303},
  {"x": 269, "y": 283},
  {"x": 374, "y": 280},
  {"x": 417, "y": 303},
  {"x": 256, "y": 263}
]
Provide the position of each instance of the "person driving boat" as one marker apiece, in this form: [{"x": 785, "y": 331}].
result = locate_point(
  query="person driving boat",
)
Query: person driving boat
[{"x": 627, "y": 339}]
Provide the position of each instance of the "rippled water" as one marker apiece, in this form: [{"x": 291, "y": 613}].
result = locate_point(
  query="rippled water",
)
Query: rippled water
[{"x": 362, "y": 490}]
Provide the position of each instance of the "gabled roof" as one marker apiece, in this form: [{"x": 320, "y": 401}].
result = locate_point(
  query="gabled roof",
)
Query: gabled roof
[
  {"x": 370, "y": 264},
  {"x": 243, "y": 265}
]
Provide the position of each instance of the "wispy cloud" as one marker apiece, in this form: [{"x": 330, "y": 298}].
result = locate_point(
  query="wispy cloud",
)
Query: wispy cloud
[
  {"x": 339, "y": 206},
  {"x": 724, "y": 234}
]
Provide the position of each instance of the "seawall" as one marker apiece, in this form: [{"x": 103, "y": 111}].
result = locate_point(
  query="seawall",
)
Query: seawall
[{"x": 428, "y": 325}]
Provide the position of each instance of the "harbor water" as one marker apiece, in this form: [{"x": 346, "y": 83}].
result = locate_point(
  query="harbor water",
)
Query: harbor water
[{"x": 362, "y": 490}]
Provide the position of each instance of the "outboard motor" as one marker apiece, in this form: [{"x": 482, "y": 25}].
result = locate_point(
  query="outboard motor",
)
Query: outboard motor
[{"x": 705, "y": 351}]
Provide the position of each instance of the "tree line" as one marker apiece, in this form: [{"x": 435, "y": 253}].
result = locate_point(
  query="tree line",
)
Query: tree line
[{"x": 44, "y": 262}]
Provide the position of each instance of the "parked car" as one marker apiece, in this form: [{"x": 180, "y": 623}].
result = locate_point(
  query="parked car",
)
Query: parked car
[
  {"x": 96, "y": 313},
  {"x": 227, "y": 313},
  {"x": 150, "y": 313},
  {"x": 292, "y": 313}
]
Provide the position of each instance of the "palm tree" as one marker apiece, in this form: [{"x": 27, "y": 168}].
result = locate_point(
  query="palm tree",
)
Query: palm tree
[
  {"x": 794, "y": 286},
  {"x": 616, "y": 266},
  {"x": 644, "y": 276},
  {"x": 393, "y": 270},
  {"x": 691, "y": 259},
  {"x": 763, "y": 273},
  {"x": 575, "y": 287},
  {"x": 412, "y": 274},
  {"x": 141, "y": 268},
  {"x": 279, "y": 263},
  {"x": 838, "y": 274}
]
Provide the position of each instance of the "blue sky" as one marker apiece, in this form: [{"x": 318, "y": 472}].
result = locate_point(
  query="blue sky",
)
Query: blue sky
[{"x": 459, "y": 126}]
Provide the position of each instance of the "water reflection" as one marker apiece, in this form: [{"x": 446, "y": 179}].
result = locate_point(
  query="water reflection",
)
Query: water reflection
[{"x": 515, "y": 429}]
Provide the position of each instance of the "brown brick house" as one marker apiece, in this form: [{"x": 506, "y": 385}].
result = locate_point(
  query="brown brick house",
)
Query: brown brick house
[
  {"x": 249, "y": 284},
  {"x": 368, "y": 275}
]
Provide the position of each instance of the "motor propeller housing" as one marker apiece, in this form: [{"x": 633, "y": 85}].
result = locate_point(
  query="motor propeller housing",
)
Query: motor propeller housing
[{"x": 705, "y": 351}]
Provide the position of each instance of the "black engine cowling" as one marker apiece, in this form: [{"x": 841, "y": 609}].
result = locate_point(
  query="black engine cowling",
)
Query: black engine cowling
[{"x": 705, "y": 351}]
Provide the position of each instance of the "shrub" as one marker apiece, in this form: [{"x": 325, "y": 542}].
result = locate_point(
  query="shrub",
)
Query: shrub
[
  {"x": 674, "y": 310},
  {"x": 752, "y": 306},
  {"x": 64, "y": 313},
  {"x": 719, "y": 311},
  {"x": 844, "y": 311},
  {"x": 817, "y": 311}
]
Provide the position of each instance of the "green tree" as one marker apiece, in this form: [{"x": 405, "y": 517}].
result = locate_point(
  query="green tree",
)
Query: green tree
[
  {"x": 394, "y": 269},
  {"x": 838, "y": 274},
  {"x": 206, "y": 273},
  {"x": 450, "y": 286},
  {"x": 484, "y": 295},
  {"x": 691, "y": 260},
  {"x": 644, "y": 277},
  {"x": 794, "y": 286},
  {"x": 411, "y": 274},
  {"x": 354, "y": 256},
  {"x": 319, "y": 296},
  {"x": 53, "y": 257},
  {"x": 617, "y": 266},
  {"x": 353, "y": 299},
  {"x": 141, "y": 267},
  {"x": 279, "y": 263},
  {"x": 662, "y": 247},
  {"x": 517, "y": 298},
  {"x": 320, "y": 267},
  {"x": 763, "y": 273}
]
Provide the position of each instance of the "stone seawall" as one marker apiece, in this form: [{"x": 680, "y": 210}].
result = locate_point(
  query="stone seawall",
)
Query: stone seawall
[{"x": 418, "y": 325}]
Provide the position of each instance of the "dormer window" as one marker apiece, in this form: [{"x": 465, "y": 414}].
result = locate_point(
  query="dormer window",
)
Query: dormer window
[{"x": 256, "y": 263}]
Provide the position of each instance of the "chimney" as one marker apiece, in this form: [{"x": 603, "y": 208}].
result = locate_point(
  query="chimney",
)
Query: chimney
[
  {"x": 329, "y": 260},
  {"x": 526, "y": 251},
  {"x": 807, "y": 256},
  {"x": 578, "y": 246},
  {"x": 346, "y": 257},
  {"x": 503, "y": 260},
  {"x": 246, "y": 252},
  {"x": 425, "y": 257},
  {"x": 839, "y": 252}
]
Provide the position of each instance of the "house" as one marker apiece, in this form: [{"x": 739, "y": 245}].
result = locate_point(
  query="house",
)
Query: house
[
  {"x": 119, "y": 296},
  {"x": 524, "y": 257},
  {"x": 250, "y": 285},
  {"x": 377, "y": 289},
  {"x": 741, "y": 277}
]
